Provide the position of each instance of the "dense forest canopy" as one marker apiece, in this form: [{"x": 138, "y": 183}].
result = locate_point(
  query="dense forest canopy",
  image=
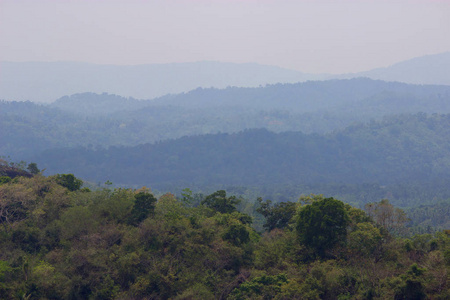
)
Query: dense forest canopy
[{"x": 60, "y": 240}]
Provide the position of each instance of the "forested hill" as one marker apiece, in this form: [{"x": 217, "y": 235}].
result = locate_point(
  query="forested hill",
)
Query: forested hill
[
  {"x": 91, "y": 104},
  {"x": 298, "y": 97},
  {"x": 60, "y": 240},
  {"x": 104, "y": 120},
  {"x": 409, "y": 148},
  {"x": 306, "y": 96}
]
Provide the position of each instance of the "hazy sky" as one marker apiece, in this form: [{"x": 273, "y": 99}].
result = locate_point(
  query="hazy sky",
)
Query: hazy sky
[{"x": 310, "y": 36}]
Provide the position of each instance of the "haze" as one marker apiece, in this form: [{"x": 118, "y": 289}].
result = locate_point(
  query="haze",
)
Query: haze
[{"x": 309, "y": 36}]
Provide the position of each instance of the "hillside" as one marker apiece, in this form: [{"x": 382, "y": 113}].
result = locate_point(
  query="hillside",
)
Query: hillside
[
  {"x": 429, "y": 69},
  {"x": 405, "y": 149},
  {"x": 303, "y": 97},
  {"x": 103, "y": 120},
  {"x": 61, "y": 241}
]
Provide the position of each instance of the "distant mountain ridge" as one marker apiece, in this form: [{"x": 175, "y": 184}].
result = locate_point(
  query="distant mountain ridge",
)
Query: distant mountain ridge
[
  {"x": 48, "y": 81},
  {"x": 429, "y": 69},
  {"x": 295, "y": 97}
]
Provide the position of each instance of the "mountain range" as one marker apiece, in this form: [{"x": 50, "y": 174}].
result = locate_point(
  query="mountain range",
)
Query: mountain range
[
  {"x": 103, "y": 120},
  {"x": 48, "y": 81}
]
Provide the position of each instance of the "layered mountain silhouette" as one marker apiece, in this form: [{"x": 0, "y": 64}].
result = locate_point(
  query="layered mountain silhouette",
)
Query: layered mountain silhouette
[{"x": 48, "y": 81}]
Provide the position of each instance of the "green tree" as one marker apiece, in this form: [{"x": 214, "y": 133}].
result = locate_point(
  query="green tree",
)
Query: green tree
[
  {"x": 69, "y": 181},
  {"x": 263, "y": 287},
  {"x": 187, "y": 196},
  {"x": 219, "y": 202},
  {"x": 278, "y": 215},
  {"x": 5, "y": 270},
  {"x": 144, "y": 204},
  {"x": 413, "y": 288},
  {"x": 15, "y": 200},
  {"x": 364, "y": 239},
  {"x": 33, "y": 169},
  {"x": 322, "y": 224},
  {"x": 4, "y": 179},
  {"x": 237, "y": 234}
]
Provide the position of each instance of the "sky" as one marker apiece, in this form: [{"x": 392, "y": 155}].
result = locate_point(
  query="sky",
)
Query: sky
[{"x": 320, "y": 36}]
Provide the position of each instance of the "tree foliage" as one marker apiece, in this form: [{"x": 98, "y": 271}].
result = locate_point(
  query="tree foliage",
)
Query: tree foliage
[
  {"x": 69, "y": 181},
  {"x": 322, "y": 224},
  {"x": 129, "y": 244},
  {"x": 144, "y": 205},
  {"x": 218, "y": 201},
  {"x": 33, "y": 169},
  {"x": 278, "y": 215}
]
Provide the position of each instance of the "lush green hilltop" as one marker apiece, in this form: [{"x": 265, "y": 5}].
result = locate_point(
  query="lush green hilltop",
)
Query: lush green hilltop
[{"x": 61, "y": 241}]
